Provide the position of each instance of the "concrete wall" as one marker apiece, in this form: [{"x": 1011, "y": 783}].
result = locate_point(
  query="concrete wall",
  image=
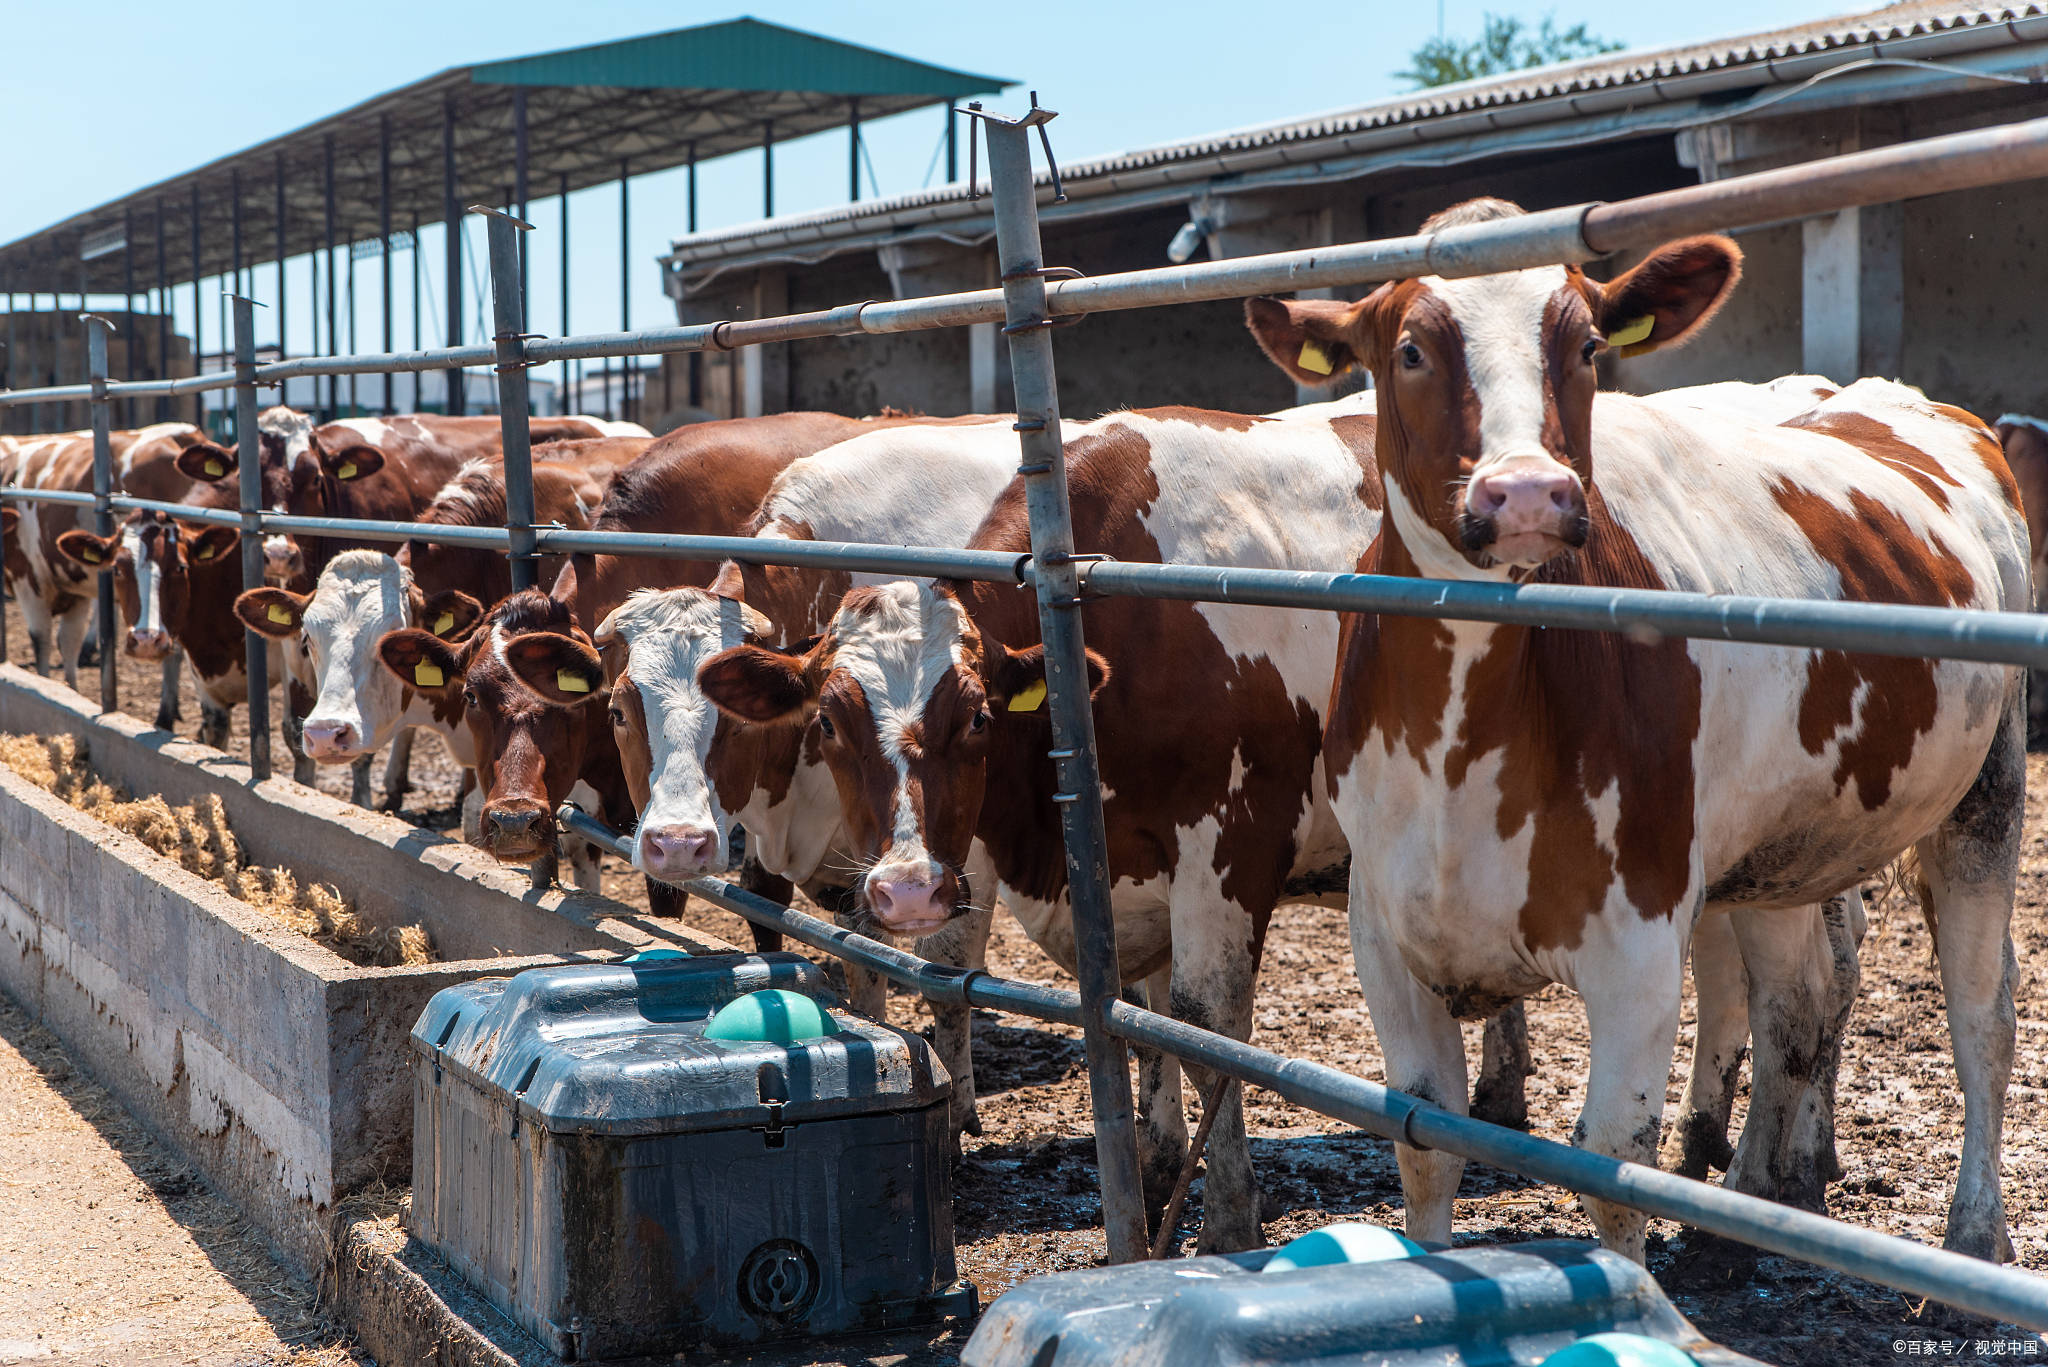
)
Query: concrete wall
[
  {"x": 1976, "y": 268},
  {"x": 1755, "y": 337},
  {"x": 277, "y": 1068}
]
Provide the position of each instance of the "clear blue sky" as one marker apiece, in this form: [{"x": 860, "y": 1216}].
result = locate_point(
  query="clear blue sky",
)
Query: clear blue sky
[{"x": 111, "y": 95}]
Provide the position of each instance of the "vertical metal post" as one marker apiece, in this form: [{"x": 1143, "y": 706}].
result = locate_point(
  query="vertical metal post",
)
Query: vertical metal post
[
  {"x": 693, "y": 186},
  {"x": 508, "y": 309},
  {"x": 96, "y": 330},
  {"x": 235, "y": 223},
  {"x": 163, "y": 312},
  {"x": 333, "y": 332},
  {"x": 128, "y": 358},
  {"x": 568, "y": 383},
  {"x": 952, "y": 144},
  {"x": 625, "y": 287},
  {"x": 853, "y": 150},
  {"x": 249, "y": 452},
  {"x": 198, "y": 315},
  {"x": 283, "y": 341},
  {"x": 348, "y": 251},
  {"x": 451, "y": 216},
  {"x": 1066, "y": 670},
  {"x": 313, "y": 259},
  {"x": 384, "y": 240},
  {"x": 518, "y": 205},
  {"x": 767, "y": 168}
]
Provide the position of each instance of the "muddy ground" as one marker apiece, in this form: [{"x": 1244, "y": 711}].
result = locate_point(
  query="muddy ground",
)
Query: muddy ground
[{"x": 1026, "y": 1196}]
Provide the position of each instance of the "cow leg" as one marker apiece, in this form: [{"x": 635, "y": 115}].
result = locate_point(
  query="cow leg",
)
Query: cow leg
[
  {"x": 1631, "y": 975},
  {"x": 542, "y": 872},
  {"x": 1162, "y": 1111},
  {"x": 215, "y": 722},
  {"x": 71, "y": 629},
  {"x": 359, "y": 780},
  {"x": 1968, "y": 870},
  {"x": 586, "y": 871},
  {"x": 1796, "y": 1021},
  {"x": 35, "y": 615},
  {"x": 963, "y": 943},
  {"x": 1501, "y": 1094},
  {"x": 1698, "y": 1141},
  {"x": 398, "y": 771},
  {"x": 298, "y": 702},
  {"x": 770, "y": 887},
  {"x": 1214, "y": 973},
  {"x": 1424, "y": 1056},
  {"x": 167, "y": 715}
]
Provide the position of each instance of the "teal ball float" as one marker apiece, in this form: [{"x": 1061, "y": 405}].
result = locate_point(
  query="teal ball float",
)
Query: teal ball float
[
  {"x": 1620, "y": 1350},
  {"x": 652, "y": 955},
  {"x": 772, "y": 1016},
  {"x": 1348, "y": 1241}
]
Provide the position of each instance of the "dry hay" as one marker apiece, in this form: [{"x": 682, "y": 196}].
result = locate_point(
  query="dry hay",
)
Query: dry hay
[{"x": 198, "y": 838}]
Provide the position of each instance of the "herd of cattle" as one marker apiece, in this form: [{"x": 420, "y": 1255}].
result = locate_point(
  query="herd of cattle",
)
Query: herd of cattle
[{"x": 1516, "y": 806}]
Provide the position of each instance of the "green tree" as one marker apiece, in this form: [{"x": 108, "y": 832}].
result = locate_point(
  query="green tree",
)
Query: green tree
[{"x": 1506, "y": 44}]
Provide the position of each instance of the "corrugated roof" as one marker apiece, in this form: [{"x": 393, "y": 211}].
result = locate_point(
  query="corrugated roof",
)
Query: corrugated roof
[
  {"x": 651, "y": 102},
  {"x": 1627, "y": 80}
]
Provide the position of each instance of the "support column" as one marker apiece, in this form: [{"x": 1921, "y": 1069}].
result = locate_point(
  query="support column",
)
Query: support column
[
  {"x": 198, "y": 315},
  {"x": 451, "y": 216},
  {"x": 333, "y": 331},
  {"x": 384, "y": 241},
  {"x": 764, "y": 370},
  {"x": 1853, "y": 293},
  {"x": 930, "y": 266}
]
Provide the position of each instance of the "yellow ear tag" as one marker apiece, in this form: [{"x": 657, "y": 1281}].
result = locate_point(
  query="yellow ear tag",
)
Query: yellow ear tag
[
  {"x": 347, "y": 471},
  {"x": 1637, "y": 330},
  {"x": 428, "y": 676},
  {"x": 1314, "y": 358},
  {"x": 91, "y": 556},
  {"x": 279, "y": 615},
  {"x": 443, "y": 623},
  {"x": 202, "y": 553},
  {"x": 570, "y": 682},
  {"x": 215, "y": 468},
  {"x": 1030, "y": 699}
]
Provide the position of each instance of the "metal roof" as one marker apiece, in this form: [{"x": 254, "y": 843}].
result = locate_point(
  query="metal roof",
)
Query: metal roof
[
  {"x": 1620, "y": 88},
  {"x": 649, "y": 102}
]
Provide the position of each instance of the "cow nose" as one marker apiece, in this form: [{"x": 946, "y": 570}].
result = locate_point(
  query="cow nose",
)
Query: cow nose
[
  {"x": 330, "y": 740},
  {"x": 280, "y": 558},
  {"x": 677, "y": 851},
  {"x": 149, "y": 645},
  {"x": 514, "y": 823},
  {"x": 910, "y": 902},
  {"x": 1528, "y": 497}
]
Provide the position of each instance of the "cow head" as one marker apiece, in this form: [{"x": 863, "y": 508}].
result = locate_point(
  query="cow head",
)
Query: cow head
[
  {"x": 1486, "y": 387},
  {"x": 905, "y": 697},
  {"x": 360, "y": 597},
  {"x": 301, "y": 467},
  {"x": 154, "y": 562},
  {"x": 529, "y": 753},
  {"x": 687, "y": 768}
]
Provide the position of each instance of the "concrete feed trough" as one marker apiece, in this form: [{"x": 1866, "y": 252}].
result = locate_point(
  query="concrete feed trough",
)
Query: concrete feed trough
[{"x": 275, "y": 1066}]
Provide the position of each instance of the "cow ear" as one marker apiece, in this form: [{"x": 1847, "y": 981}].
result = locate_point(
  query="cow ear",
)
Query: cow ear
[
  {"x": 421, "y": 661},
  {"x": 1310, "y": 339},
  {"x": 276, "y": 613},
  {"x": 756, "y": 684},
  {"x": 1670, "y": 296},
  {"x": 10, "y": 518},
  {"x": 351, "y": 462},
  {"x": 205, "y": 462},
  {"x": 452, "y": 614},
  {"x": 561, "y": 669},
  {"x": 214, "y": 543},
  {"x": 1017, "y": 681},
  {"x": 82, "y": 548}
]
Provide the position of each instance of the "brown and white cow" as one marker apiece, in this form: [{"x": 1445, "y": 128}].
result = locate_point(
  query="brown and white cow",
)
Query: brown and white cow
[
  {"x": 52, "y": 591},
  {"x": 1564, "y": 806},
  {"x": 930, "y": 704},
  {"x": 2026, "y": 451}
]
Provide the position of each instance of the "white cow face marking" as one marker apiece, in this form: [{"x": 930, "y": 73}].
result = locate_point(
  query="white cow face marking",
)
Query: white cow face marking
[{"x": 361, "y": 596}]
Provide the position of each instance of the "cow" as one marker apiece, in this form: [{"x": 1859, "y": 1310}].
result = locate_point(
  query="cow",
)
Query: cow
[
  {"x": 50, "y": 589},
  {"x": 929, "y": 702},
  {"x": 1565, "y": 806},
  {"x": 706, "y": 478},
  {"x": 695, "y": 778},
  {"x": 2026, "y": 450},
  {"x": 566, "y": 494},
  {"x": 358, "y": 708}
]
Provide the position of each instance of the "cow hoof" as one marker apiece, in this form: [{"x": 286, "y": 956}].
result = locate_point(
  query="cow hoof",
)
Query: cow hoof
[
  {"x": 394, "y": 802},
  {"x": 1696, "y": 1146},
  {"x": 1979, "y": 1234},
  {"x": 1228, "y": 1236},
  {"x": 1502, "y": 1101}
]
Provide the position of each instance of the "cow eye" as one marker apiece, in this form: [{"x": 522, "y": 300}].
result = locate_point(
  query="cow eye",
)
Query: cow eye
[
  {"x": 1411, "y": 355},
  {"x": 978, "y": 723},
  {"x": 1590, "y": 350},
  {"x": 825, "y": 726},
  {"x": 469, "y": 697},
  {"x": 618, "y": 717}
]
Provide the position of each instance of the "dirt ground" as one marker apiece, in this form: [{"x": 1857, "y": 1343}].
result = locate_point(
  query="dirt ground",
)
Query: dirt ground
[
  {"x": 1026, "y": 1191},
  {"x": 110, "y": 1249}
]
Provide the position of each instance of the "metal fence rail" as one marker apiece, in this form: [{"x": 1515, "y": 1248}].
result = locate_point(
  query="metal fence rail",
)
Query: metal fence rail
[{"x": 1027, "y": 303}]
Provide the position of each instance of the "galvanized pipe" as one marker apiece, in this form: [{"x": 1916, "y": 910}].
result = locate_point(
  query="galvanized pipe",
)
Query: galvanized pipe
[
  {"x": 509, "y": 309},
  {"x": 2004, "y": 1293},
  {"x": 1070, "y": 711},
  {"x": 96, "y": 330},
  {"x": 249, "y": 455}
]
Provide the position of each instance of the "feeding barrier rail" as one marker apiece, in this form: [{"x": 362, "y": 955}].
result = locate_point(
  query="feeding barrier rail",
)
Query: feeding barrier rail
[{"x": 1031, "y": 300}]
